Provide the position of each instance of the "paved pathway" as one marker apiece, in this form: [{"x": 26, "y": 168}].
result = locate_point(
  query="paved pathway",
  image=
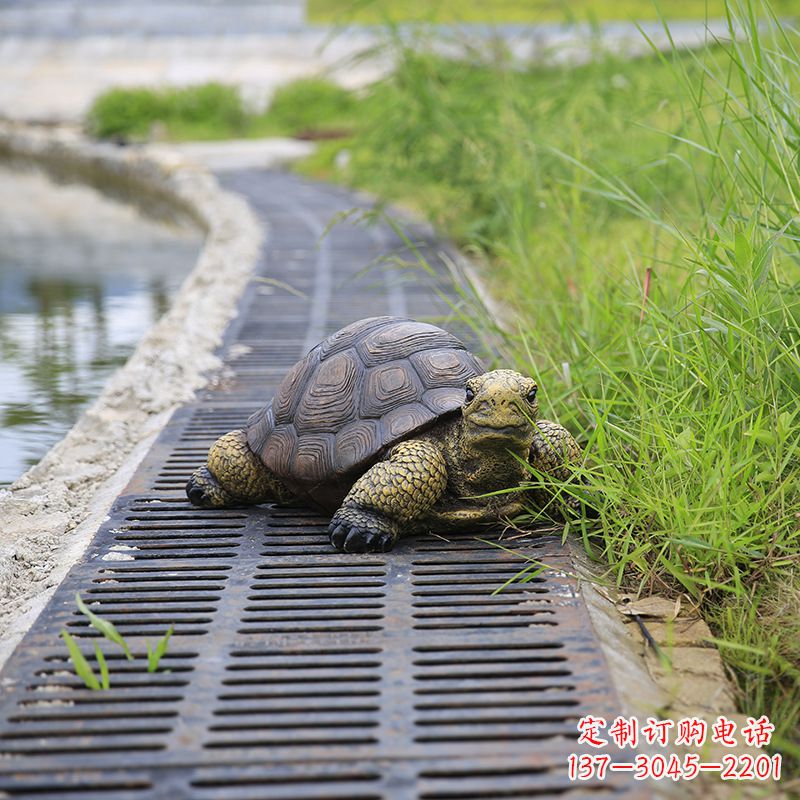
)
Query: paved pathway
[{"x": 296, "y": 672}]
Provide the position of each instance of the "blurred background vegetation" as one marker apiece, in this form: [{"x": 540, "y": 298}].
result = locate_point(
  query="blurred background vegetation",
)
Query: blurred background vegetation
[{"x": 515, "y": 11}]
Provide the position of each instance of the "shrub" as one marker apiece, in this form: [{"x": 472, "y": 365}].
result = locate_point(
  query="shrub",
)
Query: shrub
[
  {"x": 126, "y": 112},
  {"x": 208, "y": 110},
  {"x": 311, "y": 104}
]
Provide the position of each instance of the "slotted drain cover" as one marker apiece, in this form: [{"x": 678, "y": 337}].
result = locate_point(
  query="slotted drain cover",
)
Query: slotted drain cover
[{"x": 295, "y": 672}]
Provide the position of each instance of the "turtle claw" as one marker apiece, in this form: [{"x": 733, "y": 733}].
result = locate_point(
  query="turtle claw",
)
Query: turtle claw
[
  {"x": 197, "y": 488},
  {"x": 196, "y": 494},
  {"x": 357, "y": 531},
  {"x": 204, "y": 491}
]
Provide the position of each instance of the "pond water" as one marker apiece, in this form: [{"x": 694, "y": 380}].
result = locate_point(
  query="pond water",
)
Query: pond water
[{"x": 82, "y": 277}]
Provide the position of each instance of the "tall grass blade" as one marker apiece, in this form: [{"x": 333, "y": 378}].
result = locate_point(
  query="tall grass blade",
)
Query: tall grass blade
[
  {"x": 82, "y": 668},
  {"x": 154, "y": 656},
  {"x": 105, "y": 680},
  {"x": 104, "y": 626}
]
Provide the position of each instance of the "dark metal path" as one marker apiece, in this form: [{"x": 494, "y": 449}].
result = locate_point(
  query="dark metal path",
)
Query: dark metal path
[{"x": 298, "y": 673}]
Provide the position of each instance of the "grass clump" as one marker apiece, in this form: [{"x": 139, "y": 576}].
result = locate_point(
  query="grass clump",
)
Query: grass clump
[
  {"x": 216, "y": 111},
  {"x": 125, "y": 112},
  {"x": 310, "y": 105},
  {"x": 205, "y": 110},
  {"x": 642, "y": 224}
]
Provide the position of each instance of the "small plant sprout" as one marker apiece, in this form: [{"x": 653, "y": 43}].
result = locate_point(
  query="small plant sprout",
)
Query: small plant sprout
[
  {"x": 105, "y": 680},
  {"x": 82, "y": 667},
  {"x": 104, "y": 626},
  {"x": 154, "y": 656}
]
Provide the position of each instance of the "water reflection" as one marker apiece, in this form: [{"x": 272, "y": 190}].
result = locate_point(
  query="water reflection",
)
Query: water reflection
[{"x": 81, "y": 278}]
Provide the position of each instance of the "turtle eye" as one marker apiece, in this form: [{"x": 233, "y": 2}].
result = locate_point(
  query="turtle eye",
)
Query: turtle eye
[
  {"x": 531, "y": 396},
  {"x": 470, "y": 395}
]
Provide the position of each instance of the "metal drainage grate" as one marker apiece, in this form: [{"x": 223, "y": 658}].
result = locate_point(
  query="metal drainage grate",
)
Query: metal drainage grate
[{"x": 298, "y": 673}]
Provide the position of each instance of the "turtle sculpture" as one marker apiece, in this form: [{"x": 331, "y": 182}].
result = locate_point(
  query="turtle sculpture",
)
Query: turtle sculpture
[{"x": 393, "y": 426}]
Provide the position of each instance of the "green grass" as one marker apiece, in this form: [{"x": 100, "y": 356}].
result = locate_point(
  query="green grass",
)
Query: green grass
[
  {"x": 137, "y": 112},
  {"x": 641, "y": 221},
  {"x": 310, "y": 106},
  {"x": 524, "y": 11}
]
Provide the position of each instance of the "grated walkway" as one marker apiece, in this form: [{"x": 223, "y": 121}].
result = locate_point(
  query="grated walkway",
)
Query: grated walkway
[{"x": 298, "y": 673}]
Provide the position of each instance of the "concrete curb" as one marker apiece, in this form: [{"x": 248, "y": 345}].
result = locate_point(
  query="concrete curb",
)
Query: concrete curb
[{"x": 51, "y": 512}]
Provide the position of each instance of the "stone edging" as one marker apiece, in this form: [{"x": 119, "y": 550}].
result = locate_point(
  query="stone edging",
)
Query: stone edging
[{"x": 50, "y": 514}]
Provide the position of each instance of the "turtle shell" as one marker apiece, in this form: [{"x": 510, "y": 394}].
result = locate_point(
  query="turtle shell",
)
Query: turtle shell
[{"x": 353, "y": 396}]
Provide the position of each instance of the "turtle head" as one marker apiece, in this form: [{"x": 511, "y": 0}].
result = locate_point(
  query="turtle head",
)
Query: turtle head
[{"x": 500, "y": 407}]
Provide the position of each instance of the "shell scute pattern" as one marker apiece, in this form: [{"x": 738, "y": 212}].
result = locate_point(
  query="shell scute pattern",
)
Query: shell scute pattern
[
  {"x": 408, "y": 417},
  {"x": 388, "y": 386},
  {"x": 355, "y": 444},
  {"x": 260, "y": 426},
  {"x": 356, "y": 394},
  {"x": 437, "y": 368},
  {"x": 443, "y": 400},
  {"x": 397, "y": 340},
  {"x": 279, "y": 449},
  {"x": 314, "y": 457},
  {"x": 328, "y": 401},
  {"x": 347, "y": 337},
  {"x": 291, "y": 390}
]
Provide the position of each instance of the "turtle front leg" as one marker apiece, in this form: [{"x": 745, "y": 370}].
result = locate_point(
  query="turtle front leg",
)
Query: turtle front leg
[
  {"x": 234, "y": 476},
  {"x": 387, "y": 496},
  {"x": 553, "y": 453}
]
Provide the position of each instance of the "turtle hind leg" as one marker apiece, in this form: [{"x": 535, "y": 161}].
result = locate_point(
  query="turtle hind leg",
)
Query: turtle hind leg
[
  {"x": 390, "y": 494},
  {"x": 234, "y": 476}
]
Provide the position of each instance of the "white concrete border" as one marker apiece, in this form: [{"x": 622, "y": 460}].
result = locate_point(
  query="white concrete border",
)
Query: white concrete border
[{"x": 51, "y": 513}]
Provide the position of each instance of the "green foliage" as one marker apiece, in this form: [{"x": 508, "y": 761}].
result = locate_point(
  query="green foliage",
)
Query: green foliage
[
  {"x": 155, "y": 655},
  {"x": 126, "y": 112},
  {"x": 206, "y": 111},
  {"x": 215, "y": 111},
  {"x": 104, "y": 626},
  {"x": 82, "y": 667},
  {"x": 499, "y": 11},
  {"x": 207, "y": 103},
  {"x": 641, "y": 222},
  {"x": 479, "y": 145},
  {"x": 105, "y": 680},
  {"x": 311, "y": 104}
]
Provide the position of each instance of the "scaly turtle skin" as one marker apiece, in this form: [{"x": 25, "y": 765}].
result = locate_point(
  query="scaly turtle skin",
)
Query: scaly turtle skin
[{"x": 393, "y": 426}]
